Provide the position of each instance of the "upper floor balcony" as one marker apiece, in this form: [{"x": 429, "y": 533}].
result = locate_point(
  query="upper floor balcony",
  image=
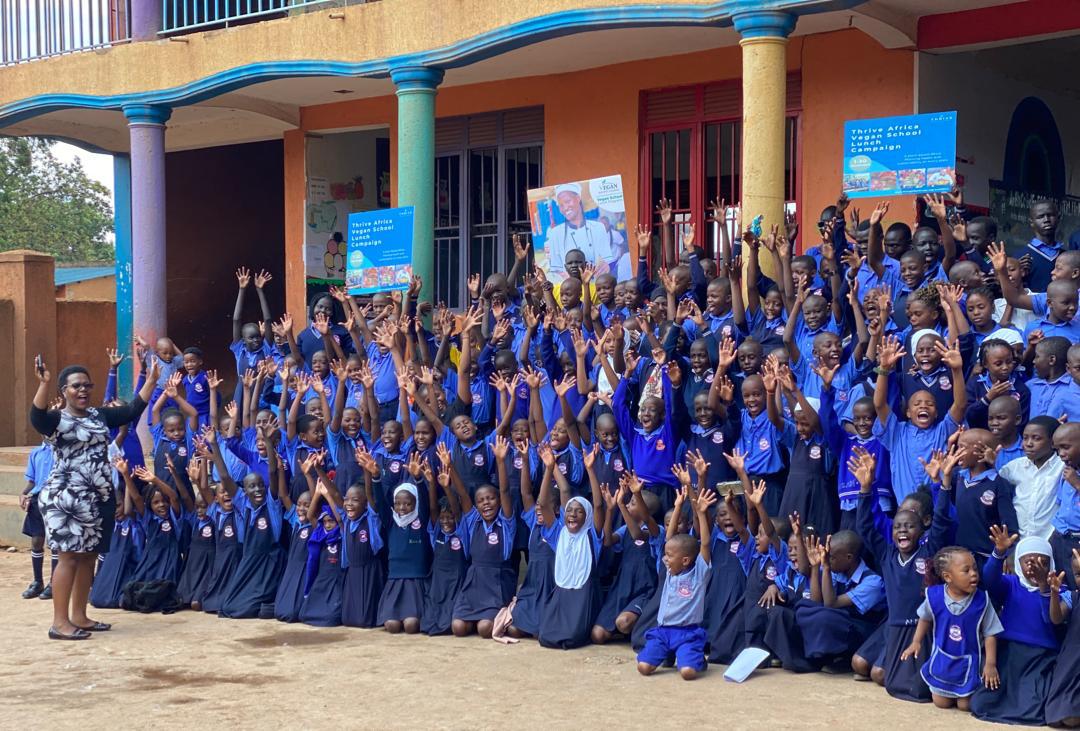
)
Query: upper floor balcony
[{"x": 34, "y": 29}]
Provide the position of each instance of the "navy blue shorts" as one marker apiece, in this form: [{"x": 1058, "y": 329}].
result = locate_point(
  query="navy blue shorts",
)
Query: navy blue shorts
[
  {"x": 688, "y": 644},
  {"x": 33, "y": 525}
]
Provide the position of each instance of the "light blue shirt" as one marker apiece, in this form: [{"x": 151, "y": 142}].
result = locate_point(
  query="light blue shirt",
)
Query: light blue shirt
[
  {"x": 682, "y": 601},
  {"x": 906, "y": 443},
  {"x": 1067, "y": 518},
  {"x": 39, "y": 467},
  {"x": 865, "y": 588}
]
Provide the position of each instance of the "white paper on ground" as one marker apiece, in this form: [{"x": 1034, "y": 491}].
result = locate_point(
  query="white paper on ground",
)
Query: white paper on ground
[{"x": 746, "y": 663}]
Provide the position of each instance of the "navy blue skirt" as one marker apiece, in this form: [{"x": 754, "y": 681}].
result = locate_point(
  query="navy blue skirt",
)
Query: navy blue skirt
[
  {"x": 361, "y": 592},
  {"x": 647, "y": 618},
  {"x": 114, "y": 573},
  {"x": 253, "y": 584},
  {"x": 902, "y": 678},
  {"x": 1026, "y": 672},
  {"x": 873, "y": 646},
  {"x": 634, "y": 584},
  {"x": 568, "y": 616},
  {"x": 486, "y": 590},
  {"x": 401, "y": 599},
  {"x": 1063, "y": 700},
  {"x": 322, "y": 605},
  {"x": 783, "y": 638},
  {"x": 829, "y": 632}
]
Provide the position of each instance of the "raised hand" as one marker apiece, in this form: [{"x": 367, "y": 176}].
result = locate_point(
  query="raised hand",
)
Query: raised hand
[
  {"x": 262, "y": 278},
  {"x": 999, "y": 535},
  {"x": 243, "y": 277},
  {"x": 737, "y": 460},
  {"x": 756, "y": 493}
]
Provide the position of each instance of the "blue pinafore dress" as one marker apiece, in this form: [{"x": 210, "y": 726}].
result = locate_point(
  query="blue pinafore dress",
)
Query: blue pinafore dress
[
  {"x": 365, "y": 574},
  {"x": 954, "y": 668},
  {"x": 290, "y": 591},
  {"x": 255, "y": 581},
  {"x": 116, "y": 570},
  {"x": 568, "y": 616},
  {"x": 491, "y": 580},
  {"x": 195, "y": 579},
  {"x": 448, "y": 567},
  {"x": 227, "y": 554},
  {"x": 539, "y": 579},
  {"x": 322, "y": 605},
  {"x": 409, "y": 550},
  {"x": 161, "y": 555},
  {"x": 635, "y": 580}
]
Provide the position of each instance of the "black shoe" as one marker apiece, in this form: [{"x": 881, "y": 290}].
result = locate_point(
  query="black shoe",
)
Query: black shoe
[
  {"x": 96, "y": 627},
  {"x": 34, "y": 590},
  {"x": 78, "y": 634},
  {"x": 47, "y": 594}
]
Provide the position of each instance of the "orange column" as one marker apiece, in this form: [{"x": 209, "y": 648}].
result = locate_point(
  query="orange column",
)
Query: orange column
[{"x": 295, "y": 195}]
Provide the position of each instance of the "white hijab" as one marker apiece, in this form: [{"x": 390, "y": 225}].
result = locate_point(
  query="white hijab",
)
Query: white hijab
[
  {"x": 404, "y": 520},
  {"x": 1027, "y": 546},
  {"x": 920, "y": 334},
  {"x": 573, "y": 551}
]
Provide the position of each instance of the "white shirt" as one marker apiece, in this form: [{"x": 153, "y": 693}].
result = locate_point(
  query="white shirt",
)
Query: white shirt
[
  {"x": 1020, "y": 318},
  {"x": 1035, "y": 497},
  {"x": 592, "y": 239}
]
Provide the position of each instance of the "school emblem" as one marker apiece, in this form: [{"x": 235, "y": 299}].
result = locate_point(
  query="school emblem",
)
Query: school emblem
[
  {"x": 363, "y": 536},
  {"x": 207, "y": 531},
  {"x": 198, "y": 388},
  {"x": 518, "y": 462},
  {"x": 987, "y": 498},
  {"x": 617, "y": 465},
  {"x": 261, "y": 523},
  {"x": 955, "y": 634},
  {"x": 815, "y": 452},
  {"x": 455, "y": 544},
  {"x": 841, "y": 395},
  {"x": 944, "y": 383},
  {"x": 733, "y": 547},
  {"x": 920, "y": 566},
  {"x": 181, "y": 450},
  {"x": 478, "y": 459},
  {"x": 779, "y": 329},
  {"x": 770, "y": 573},
  {"x": 415, "y": 525},
  {"x": 718, "y": 437},
  {"x": 709, "y": 378},
  {"x": 125, "y": 530},
  {"x": 303, "y": 534},
  {"x": 166, "y": 526},
  {"x": 763, "y": 445},
  {"x": 726, "y": 331},
  {"x": 228, "y": 531},
  {"x": 331, "y": 548},
  {"x": 395, "y": 467},
  {"x": 684, "y": 589},
  {"x": 639, "y": 542},
  {"x": 493, "y": 538},
  {"x": 562, "y": 467},
  {"x": 660, "y": 446}
]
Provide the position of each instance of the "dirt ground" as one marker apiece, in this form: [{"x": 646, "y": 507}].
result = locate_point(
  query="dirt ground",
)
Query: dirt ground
[{"x": 193, "y": 670}]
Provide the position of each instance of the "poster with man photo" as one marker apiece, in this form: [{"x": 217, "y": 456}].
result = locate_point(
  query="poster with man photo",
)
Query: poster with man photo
[{"x": 587, "y": 216}]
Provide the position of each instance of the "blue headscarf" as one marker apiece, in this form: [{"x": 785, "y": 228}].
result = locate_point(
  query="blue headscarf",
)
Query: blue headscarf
[{"x": 319, "y": 537}]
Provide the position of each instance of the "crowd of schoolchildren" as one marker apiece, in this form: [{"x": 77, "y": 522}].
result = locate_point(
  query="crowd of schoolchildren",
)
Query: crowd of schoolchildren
[{"x": 867, "y": 461}]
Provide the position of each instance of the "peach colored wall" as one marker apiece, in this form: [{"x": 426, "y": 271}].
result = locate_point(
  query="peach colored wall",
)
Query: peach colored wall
[
  {"x": 102, "y": 288},
  {"x": 86, "y": 328},
  {"x": 603, "y": 137},
  {"x": 883, "y": 86}
]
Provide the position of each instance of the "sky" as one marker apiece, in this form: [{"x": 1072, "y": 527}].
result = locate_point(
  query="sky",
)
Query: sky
[{"x": 98, "y": 167}]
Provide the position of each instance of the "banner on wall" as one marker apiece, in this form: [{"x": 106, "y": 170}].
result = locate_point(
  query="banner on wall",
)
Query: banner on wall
[
  {"x": 1011, "y": 208},
  {"x": 588, "y": 215},
  {"x": 900, "y": 155},
  {"x": 380, "y": 250}
]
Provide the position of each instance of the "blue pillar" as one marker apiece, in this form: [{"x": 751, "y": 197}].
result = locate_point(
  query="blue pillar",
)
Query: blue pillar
[
  {"x": 416, "y": 87},
  {"x": 124, "y": 294}
]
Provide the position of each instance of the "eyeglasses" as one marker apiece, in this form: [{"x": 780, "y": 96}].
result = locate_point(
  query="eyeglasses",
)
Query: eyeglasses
[{"x": 85, "y": 386}]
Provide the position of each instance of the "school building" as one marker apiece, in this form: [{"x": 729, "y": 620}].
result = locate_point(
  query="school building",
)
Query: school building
[{"x": 245, "y": 131}]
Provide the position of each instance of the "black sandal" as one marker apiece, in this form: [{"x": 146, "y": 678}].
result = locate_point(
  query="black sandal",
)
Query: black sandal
[
  {"x": 96, "y": 627},
  {"x": 78, "y": 634}
]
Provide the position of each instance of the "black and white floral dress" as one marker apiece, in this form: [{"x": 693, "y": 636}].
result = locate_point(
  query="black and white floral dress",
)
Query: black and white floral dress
[{"x": 80, "y": 483}]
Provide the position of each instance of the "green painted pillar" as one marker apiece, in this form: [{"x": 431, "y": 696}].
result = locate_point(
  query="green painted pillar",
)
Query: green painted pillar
[{"x": 416, "y": 87}]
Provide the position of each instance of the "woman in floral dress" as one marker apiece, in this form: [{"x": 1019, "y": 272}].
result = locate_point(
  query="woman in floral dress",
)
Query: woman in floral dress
[{"x": 78, "y": 502}]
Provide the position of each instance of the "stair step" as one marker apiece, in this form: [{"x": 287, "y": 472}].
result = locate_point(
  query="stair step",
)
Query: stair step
[
  {"x": 11, "y": 520},
  {"x": 15, "y": 456},
  {"x": 12, "y": 480}
]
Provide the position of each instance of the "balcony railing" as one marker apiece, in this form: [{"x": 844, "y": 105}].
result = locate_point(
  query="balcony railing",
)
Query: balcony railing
[
  {"x": 31, "y": 29},
  {"x": 184, "y": 16}
]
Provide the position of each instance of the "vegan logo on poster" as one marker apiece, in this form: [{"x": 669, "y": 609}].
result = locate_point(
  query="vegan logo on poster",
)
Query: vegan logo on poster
[
  {"x": 900, "y": 155},
  {"x": 380, "y": 250}
]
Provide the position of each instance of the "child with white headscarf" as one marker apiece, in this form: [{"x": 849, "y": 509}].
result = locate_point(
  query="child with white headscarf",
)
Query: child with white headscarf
[
  {"x": 409, "y": 551},
  {"x": 567, "y": 618},
  {"x": 1028, "y": 648}
]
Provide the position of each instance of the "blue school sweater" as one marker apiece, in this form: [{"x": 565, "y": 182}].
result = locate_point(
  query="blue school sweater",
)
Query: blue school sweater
[
  {"x": 982, "y": 501},
  {"x": 1024, "y": 614},
  {"x": 652, "y": 453}
]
